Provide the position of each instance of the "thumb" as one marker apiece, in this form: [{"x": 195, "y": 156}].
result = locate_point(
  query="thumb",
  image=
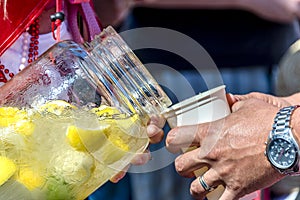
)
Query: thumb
[
  {"x": 231, "y": 99},
  {"x": 255, "y": 95},
  {"x": 228, "y": 195},
  {"x": 236, "y": 106}
]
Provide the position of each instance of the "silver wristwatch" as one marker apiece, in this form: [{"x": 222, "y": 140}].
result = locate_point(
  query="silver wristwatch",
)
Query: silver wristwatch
[{"x": 282, "y": 149}]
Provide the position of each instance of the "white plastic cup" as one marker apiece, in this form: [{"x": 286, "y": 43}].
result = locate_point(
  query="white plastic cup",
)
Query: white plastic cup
[
  {"x": 204, "y": 107},
  {"x": 208, "y": 106}
]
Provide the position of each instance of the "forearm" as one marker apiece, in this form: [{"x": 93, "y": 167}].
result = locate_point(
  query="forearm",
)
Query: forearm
[
  {"x": 275, "y": 10},
  {"x": 293, "y": 99},
  {"x": 295, "y": 118},
  {"x": 111, "y": 12},
  {"x": 295, "y": 124},
  {"x": 190, "y": 3}
]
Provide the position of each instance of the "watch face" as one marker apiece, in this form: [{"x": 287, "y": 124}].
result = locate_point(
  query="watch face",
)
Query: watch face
[{"x": 282, "y": 153}]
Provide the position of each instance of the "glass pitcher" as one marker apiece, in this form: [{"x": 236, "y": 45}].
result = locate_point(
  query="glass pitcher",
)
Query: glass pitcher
[{"x": 74, "y": 118}]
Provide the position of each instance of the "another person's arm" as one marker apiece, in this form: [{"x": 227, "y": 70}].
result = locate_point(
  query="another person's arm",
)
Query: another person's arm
[
  {"x": 275, "y": 10},
  {"x": 233, "y": 148}
]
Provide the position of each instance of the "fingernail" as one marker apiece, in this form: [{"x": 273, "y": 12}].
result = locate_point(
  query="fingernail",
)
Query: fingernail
[{"x": 117, "y": 178}]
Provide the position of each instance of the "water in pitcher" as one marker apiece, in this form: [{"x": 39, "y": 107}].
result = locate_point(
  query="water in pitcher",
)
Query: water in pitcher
[
  {"x": 58, "y": 151},
  {"x": 73, "y": 118}
]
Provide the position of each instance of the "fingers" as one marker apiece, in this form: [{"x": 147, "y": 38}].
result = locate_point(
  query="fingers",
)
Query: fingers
[
  {"x": 187, "y": 163},
  {"x": 261, "y": 96},
  {"x": 270, "y": 99},
  {"x": 205, "y": 184},
  {"x": 154, "y": 129},
  {"x": 157, "y": 120},
  {"x": 235, "y": 107},
  {"x": 139, "y": 159},
  {"x": 256, "y": 95},
  {"x": 142, "y": 158},
  {"x": 231, "y": 99},
  {"x": 116, "y": 178},
  {"x": 184, "y": 137},
  {"x": 155, "y": 133},
  {"x": 253, "y": 95},
  {"x": 228, "y": 194}
]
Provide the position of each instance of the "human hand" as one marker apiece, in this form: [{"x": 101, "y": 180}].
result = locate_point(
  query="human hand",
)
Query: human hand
[
  {"x": 273, "y": 100},
  {"x": 232, "y": 148},
  {"x": 155, "y": 134},
  {"x": 274, "y": 10}
]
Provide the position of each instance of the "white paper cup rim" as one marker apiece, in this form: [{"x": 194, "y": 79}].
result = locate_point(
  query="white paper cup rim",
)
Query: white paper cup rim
[{"x": 192, "y": 102}]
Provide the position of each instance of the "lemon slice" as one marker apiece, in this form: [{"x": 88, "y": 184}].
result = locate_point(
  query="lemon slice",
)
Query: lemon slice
[
  {"x": 30, "y": 179},
  {"x": 104, "y": 111},
  {"x": 117, "y": 124},
  {"x": 86, "y": 139},
  {"x": 57, "y": 107},
  {"x": 117, "y": 133},
  {"x": 118, "y": 144},
  {"x": 128, "y": 122},
  {"x": 118, "y": 139},
  {"x": 24, "y": 127},
  {"x": 17, "y": 119},
  {"x": 113, "y": 116},
  {"x": 8, "y": 168},
  {"x": 9, "y": 116},
  {"x": 109, "y": 140},
  {"x": 106, "y": 142}
]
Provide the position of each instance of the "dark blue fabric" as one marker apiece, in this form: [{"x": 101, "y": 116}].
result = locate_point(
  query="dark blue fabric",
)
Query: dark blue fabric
[
  {"x": 113, "y": 191},
  {"x": 232, "y": 37}
]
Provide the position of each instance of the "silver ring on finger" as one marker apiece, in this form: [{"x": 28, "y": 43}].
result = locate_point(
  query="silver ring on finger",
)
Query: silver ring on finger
[{"x": 205, "y": 186}]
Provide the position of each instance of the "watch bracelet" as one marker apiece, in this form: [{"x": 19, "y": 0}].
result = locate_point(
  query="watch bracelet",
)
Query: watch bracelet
[
  {"x": 282, "y": 119},
  {"x": 281, "y": 125}
]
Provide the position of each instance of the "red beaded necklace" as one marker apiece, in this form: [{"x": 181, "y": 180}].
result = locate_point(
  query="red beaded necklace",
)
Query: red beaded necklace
[
  {"x": 32, "y": 55},
  {"x": 34, "y": 41}
]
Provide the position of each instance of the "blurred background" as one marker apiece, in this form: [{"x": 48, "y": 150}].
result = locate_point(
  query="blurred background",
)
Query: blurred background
[{"x": 248, "y": 42}]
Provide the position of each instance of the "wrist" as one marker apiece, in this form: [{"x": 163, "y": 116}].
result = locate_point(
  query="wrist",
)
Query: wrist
[
  {"x": 293, "y": 99},
  {"x": 248, "y": 5},
  {"x": 243, "y": 4},
  {"x": 282, "y": 147},
  {"x": 295, "y": 124}
]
